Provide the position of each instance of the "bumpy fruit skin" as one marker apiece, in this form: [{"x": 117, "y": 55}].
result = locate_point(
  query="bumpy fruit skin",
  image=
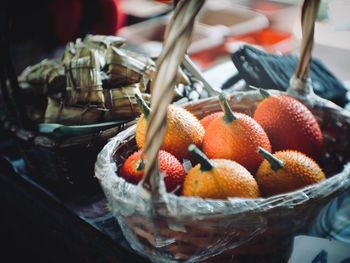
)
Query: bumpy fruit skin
[
  {"x": 175, "y": 173},
  {"x": 290, "y": 125},
  {"x": 298, "y": 171},
  {"x": 209, "y": 118},
  {"x": 129, "y": 168},
  {"x": 226, "y": 179},
  {"x": 183, "y": 129},
  {"x": 237, "y": 141}
]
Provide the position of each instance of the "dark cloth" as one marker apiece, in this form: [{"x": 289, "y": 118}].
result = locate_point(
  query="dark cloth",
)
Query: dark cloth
[{"x": 269, "y": 71}]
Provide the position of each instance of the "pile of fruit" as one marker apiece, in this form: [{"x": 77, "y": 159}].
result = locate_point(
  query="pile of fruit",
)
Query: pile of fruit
[{"x": 233, "y": 154}]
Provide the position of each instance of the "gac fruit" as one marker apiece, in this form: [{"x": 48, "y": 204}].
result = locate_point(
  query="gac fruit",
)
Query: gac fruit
[
  {"x": 235, "y": 136},
  {"x": 290, "y": 125},
  {"x": 286, "y": 171},
  {"x": 205, "y": 121},
  {"x": 183, "y": 129},
  {"x": 133, "y": 169},
  {"x": 219, "y": 179}
]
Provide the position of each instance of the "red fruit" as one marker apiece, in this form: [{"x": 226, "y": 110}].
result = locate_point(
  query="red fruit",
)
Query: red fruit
[
  {"x": 290, "y": 125},
  {"x": 208, "y": 119},
  {"x": 132, "y": 171},
  {"x": 235, "y": 136},
  {"x": 237, "y": 140}
]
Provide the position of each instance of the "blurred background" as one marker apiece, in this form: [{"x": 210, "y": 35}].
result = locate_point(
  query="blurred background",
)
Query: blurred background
[{"x": 41, "y": 28}]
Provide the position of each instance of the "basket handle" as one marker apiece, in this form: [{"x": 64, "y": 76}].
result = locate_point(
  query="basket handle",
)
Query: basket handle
[
  {"x": 301, "y": 75},
  {"x": 177, "y": 39}
]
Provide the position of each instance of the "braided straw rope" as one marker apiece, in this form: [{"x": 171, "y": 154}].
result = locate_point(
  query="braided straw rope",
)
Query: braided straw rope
[
  {"x": 300, "y": 83},
  {"x": 177, "y": 39},
  {"x": 308, "y": 18}
]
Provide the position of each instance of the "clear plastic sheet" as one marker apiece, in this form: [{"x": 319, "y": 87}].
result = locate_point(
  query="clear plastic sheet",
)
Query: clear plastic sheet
[{"x": 173, "y": 228}]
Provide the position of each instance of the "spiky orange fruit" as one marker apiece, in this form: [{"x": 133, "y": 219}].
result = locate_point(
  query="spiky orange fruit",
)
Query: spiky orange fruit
[
  {"x": 286, "y": 171},
  {"x": 235, "y": 136},
  {"x": 290, "y": 125},
  {"x": 183, "y": 129},
  {"x": 209, "y": 118},
  {"x": 219, "y": 179},
  {"x": 133, "y": 169}
]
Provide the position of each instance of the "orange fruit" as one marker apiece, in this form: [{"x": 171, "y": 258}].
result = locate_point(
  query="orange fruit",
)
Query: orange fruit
[
  {"x": 183, "y": 129},
  {"x": 219, "y": 179},
  {"x": 235, "y": 136},
  {"x": 209, "y": 118},
  {"x": 133, "y": 169},
  {"x": 290, "y": 125},
  {"x": 286, "y": 171}
]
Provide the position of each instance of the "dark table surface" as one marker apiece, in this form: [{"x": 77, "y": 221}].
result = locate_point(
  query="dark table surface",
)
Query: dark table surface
[{"x": 38, "y": 226}]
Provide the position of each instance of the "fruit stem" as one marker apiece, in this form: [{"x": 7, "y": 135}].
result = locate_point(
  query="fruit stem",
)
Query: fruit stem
[
  {"x": 146, "y": 110},
  {"x": 275, "y": 163},
  {"x": 229, "y": 116},
  {"x": 206, "y": 164},
  {"x": 264, "y": 93},
  {"x": 140, "y": 166}
]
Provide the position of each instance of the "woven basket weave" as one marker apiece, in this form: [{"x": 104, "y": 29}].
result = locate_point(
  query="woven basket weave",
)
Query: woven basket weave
[
  {"x": 64, "y": 164},
  {"x": 170, "y": 228}
]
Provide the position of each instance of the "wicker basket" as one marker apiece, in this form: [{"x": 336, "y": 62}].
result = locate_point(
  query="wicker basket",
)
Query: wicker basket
[
  {"x": 66, "y": 164},
  {"x": 170, "y": 228}
]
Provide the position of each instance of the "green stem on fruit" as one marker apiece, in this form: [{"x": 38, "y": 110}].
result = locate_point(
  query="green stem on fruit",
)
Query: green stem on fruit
[
  {"x": 206, "y": 164},
  {"x": 146, "y": 110},
  {"x": 264, "y": 93},
  {"x": 228, "y": 114},
  {"x": 140, "y": 165},
  {"x": 274, "y": 162}
]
